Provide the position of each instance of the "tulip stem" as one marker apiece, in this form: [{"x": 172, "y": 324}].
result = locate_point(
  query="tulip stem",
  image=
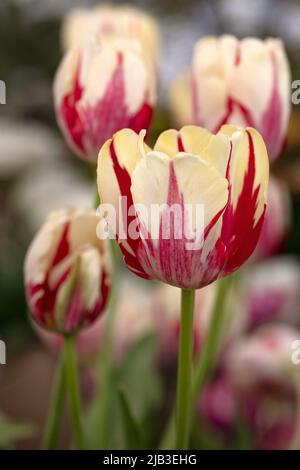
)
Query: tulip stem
[
  {"x": 205, "y": 363},
  {"x": 207, "y": 357},
  {"x": 72, "y": 383},
  {"x": 185, "y": 368},
  {"x": 56, "y": 407}
]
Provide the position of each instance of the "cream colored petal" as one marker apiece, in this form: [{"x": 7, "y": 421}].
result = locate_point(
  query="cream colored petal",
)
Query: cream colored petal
[
  {"x": 167, "y": 142},
  {"x": 42, "y": 248},
  {"x": 217, "y": 152},
  {"x": 91, "y": 271},
  {"x": 283, "y": 72},
  {"x": 190, "y": 139},
  {"x": 65, "y": 76}
]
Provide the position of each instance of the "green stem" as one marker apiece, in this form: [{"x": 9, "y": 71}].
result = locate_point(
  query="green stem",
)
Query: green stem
[
  {"x": 56, "y": 407},
  {"x": 208, "y": 355},
  {"x": 185, "y": 368},
  {"x": 73, "y": 391},
  {"x": 206, "y": 360},
  {"x": 96, "y": 202}
]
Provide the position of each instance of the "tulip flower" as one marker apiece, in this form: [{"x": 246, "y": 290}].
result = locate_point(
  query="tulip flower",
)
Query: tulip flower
[
  {"x": 161, "y": 232},
  {"x": 67, "y": 272},
  {"x": 195, "y": 206},
  {"x": 111, "y": 21},
  {"x": 224, "y": 174},
  {"x": 277, "y": 220},
  {"x": 101, "y": 87},
  {"x": 245, "y": 83},
  {"x": 271, "y": 291}
]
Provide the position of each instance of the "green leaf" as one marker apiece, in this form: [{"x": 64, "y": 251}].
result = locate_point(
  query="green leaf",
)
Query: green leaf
[
  {"x": 139, "y": 375},
  {"x": 131, "y": 428}
]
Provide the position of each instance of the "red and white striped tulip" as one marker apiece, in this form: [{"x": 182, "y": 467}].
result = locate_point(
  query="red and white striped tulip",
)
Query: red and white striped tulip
[
  {"x": 244, "y": 83},
  {"x": 226, "y": 174},
  {"x": 67, "y": 271},
  {"x": 101, "y": 87}
]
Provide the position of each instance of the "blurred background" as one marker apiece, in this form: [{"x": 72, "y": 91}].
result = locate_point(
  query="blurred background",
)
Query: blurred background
[{"x": 38, "y": 173}]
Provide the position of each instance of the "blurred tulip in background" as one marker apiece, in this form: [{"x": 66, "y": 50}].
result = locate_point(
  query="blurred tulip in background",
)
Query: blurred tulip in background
[
  {"x": 245, "y": 83},
  {"x": 67, "y": 271},
  {"x": 101, "y": 87}
]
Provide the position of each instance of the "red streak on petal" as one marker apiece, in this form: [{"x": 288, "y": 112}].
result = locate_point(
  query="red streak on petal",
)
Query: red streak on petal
[
  {"x": 69, "y": 116},
  {"x": 233, "y": 105},
  {"x": 77, "y": 316},
  {"x": 43, "y": 307},
  {"x": 63, "y": 248},
  {"x": 124, "y": 182},
  {"x": 239, "y": 233},
  {"x": 142, "y": 119},
  {"x": 238, "y": 55},
  {"x": 180, "y": 143}
]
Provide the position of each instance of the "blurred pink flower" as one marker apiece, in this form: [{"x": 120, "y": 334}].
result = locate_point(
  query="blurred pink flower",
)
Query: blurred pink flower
[
  {"x": 217, "y": 403},
  {"x": 271, "y": 291}
]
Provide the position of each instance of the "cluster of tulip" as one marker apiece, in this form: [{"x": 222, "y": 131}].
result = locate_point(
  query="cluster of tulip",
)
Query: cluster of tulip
[{"x": 104, "y": 94}]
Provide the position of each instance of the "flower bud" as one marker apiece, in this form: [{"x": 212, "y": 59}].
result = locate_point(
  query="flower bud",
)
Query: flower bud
[
  {"x": 67, "y": 271},
  {"x": 244, "y": 83},
  {"x": 101, "y": 87}
]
